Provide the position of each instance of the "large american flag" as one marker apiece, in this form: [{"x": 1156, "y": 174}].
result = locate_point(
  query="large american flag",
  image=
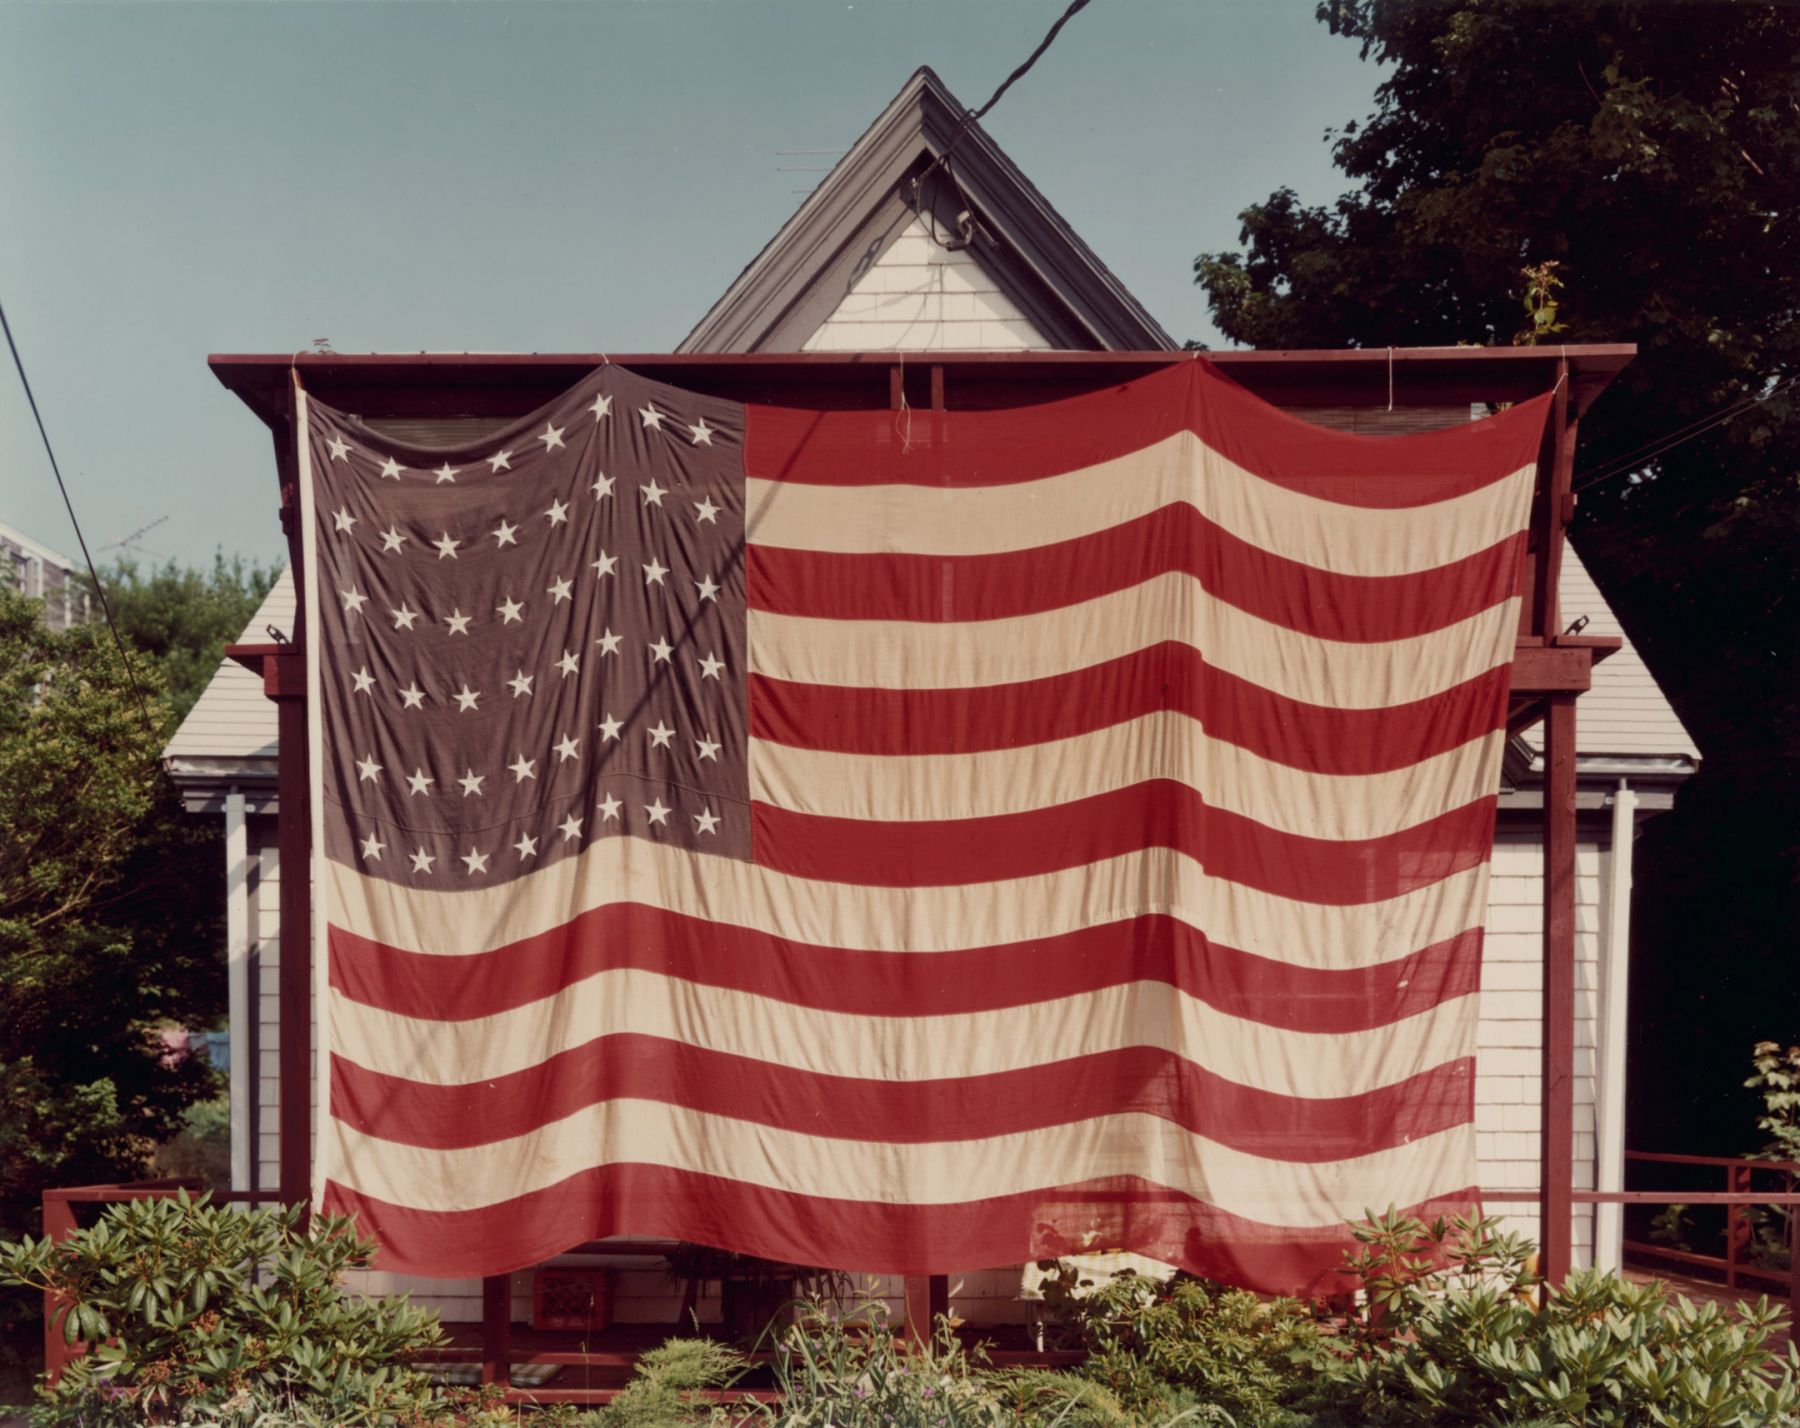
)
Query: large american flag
[{"x": 905, "y": 841}]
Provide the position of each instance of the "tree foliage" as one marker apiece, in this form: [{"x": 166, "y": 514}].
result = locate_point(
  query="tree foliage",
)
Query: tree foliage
[
  {"x": 111, "y": 896},
  {"x": 184, "y": 616},
  {"x": 1651, "y": 152}
]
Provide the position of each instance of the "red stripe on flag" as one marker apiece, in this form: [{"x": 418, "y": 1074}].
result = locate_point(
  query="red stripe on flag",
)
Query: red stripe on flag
[
  {"x": 1123, "y": 1212},
  {"x": 1176, "y": 539},
  {"x": 1158, "y": 813},
  {"x": 1170, "y": 675},
  {"x": 1153, "y": 948},
  {"x": 1137, "y": 1079},
  {"x": 980, "y": 448}
]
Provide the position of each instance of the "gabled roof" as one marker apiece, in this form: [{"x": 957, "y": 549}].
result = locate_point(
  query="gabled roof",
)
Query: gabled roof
[
  {"x": 228, "y": 737},
  {"x": 1624, "y": 724},
  {"x": 865, "y": 203}
]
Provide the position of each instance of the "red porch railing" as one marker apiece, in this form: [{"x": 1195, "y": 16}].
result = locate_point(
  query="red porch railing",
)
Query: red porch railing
[
  {"x": 1738, "y": 1175},
  {"x": 497, "y": 1349}
]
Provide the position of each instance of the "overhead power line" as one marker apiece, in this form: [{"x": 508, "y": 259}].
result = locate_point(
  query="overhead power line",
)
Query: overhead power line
[
  {"x": 972, "y": 116},
  {"x": 1636, "y": 460},
  {"x": 61, "y": 485}
]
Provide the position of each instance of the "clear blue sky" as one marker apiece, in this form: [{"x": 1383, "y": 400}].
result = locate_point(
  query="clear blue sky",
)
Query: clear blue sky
[{"x": 179, "y": 179}]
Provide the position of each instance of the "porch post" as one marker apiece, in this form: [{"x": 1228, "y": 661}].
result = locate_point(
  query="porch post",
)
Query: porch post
[
  {"x": 1556, "y": 1174},
  {"x": 496, "y": 1330},
  {"x": 284, "y": 681}
]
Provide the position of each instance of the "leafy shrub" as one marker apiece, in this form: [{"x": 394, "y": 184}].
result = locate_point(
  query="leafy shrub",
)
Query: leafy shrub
[
  {"x": 667, "y": 1387},
  {"x": 1163, "y": 1349},
  {"x": 198, "y": 1312},
  {"x": 1459, "y": 1337},
  {"x": 852, "y": 1371}
]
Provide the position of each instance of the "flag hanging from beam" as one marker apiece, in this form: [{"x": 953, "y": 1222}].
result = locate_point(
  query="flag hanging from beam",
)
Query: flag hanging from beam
[{"x": 905, "y": 841}]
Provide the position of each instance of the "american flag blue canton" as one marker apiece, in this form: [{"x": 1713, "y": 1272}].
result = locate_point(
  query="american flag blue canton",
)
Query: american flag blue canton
[{"x": 535, "y": 642}]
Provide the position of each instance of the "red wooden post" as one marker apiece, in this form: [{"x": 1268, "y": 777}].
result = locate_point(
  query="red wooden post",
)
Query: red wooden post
[
  {"x": 1557, "y": 1149},
  {"x": 1737, "y": 1222},
  {"x": 284, "y": 680},
  {"x": 927, "y": 1296},
  {"x": 59, "y": 1224},
  {"x": 496, "y": 1330}
]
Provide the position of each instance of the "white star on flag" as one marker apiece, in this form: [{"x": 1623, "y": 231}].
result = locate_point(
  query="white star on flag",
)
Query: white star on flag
[
  {"x": 458, "y": 622},
  {"x": 706, "y": 512},
  {"x": 708, "y": 590},
  {"x": 571, "y": 827},
  {"x": 417, "y": 782},
  {"x": 527, "y": 846},
  {"x": 603, "y": 486},
  {"x": 653, "y": 493},
  {"x": 602, "y": 406},
  {"x": 366, "y": 768},
  {"x": 404, "y": 616},
  {"x": 340, "y": 449},
  {"x": 661, "y": 735},
  {"x": 471, "y": 783},
  {"x": 413, "y": 695},
  {"x": 422, "y": 861},
  {"x": 391, "y": 539},
  {"x": 656, "y": 812},
  {"x": 509, "y": 612},
  {"x": 654, "y": 572},
  {"x": 505, "y": 534},
  {"x": 465, "y": 699},
  {"x": 568, "y": 663},
  {"x": 706, "y": 821},
  {"x": 558, "y": 591},
  {"x": 353, "y": 601},
  {"x": 660, "y": 652},
  {"x": 344, "y": 519},
  {"x": 609, "y": 728},
  {"x": 364, "y": 680},
  {"x": 444, "y": 473},
  {"x": 390, "y": 469},
  {"x": 605, "y": 565},
  {"x": 565, "y": 749},
  {"x": 446, "y": 546},
  {"x": 499, "y": 461},
  {"x": 521, "y": 684},
  {"x": 523, "y": 768},
  {"x": 557, "y": 514},
  {"x": 653, "y": 419},
  {"x": 706, "y": 749},
  {"x": 609, "y": 642},
  {"x": 609, "y": 809},
  {"x": 702, "y": 433},
  {"x": 476, "y": 860},
  {"x": 710, "y": 666},
  {"x": 552, "y": 437},
  {"x": 371, "y": 848}
]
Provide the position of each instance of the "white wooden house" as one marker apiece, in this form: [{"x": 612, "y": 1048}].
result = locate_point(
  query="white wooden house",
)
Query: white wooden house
[{"x": 867, "y": 264}]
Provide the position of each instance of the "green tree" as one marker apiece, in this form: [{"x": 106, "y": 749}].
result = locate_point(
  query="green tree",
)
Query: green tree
[
  {"x": 183, "y": 617},
  {"x": 110, "y": 911},
  {"x": 1652, "y": 153}
]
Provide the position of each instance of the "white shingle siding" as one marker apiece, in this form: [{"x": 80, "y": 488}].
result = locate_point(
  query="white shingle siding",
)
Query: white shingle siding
[
  {"x": 233, "y": 719},
  {"x": 922, "y": 296},
  {"x": 1624, "y": 712}
]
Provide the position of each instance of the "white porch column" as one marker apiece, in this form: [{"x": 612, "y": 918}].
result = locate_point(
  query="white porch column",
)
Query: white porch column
[
  {"x": 237, "y": 962},
  {"x": 1615, "y": 974}
]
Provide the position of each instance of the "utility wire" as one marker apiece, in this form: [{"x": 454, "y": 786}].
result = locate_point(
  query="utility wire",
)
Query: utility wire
[
  {"x": 1635, "y": 460},
  {"x": 971, "y": 116},
  {"x": 94, "y": 575}
]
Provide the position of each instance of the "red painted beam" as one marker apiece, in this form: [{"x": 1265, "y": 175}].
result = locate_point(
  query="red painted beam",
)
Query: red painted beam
[{"x": 1557, "y": 1138}]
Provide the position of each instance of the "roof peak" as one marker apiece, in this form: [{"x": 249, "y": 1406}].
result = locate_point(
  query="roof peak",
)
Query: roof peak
[{"x": 848, "y": 221}]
